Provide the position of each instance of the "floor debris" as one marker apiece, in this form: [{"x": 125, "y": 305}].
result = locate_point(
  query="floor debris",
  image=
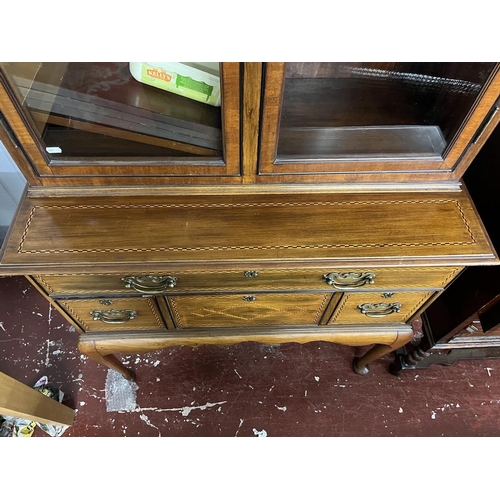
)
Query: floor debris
[{"x": 120, "y": 392}]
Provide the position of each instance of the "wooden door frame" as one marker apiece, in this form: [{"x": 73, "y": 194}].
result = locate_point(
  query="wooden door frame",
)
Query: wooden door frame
[
  {"x": 109, "y": 172},
  {"x": 450, "y": 168}
]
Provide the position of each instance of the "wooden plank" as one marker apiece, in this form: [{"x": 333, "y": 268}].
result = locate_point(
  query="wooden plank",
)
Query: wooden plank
[
  {"x": 251, "y": 120},
  {"x": 362, "y": 142},
  {"x": 353, "y": 335},
  {"x": 20, "y": 401},
  {"x": 121, "y": 134},
  {"x": 341, "y": 228}
]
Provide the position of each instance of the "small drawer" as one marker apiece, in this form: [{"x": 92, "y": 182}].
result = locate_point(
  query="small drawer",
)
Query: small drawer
[
  {"x": 383, "y": 307},
  {"x": 236, "y": 310},
  {"x": 249, "y": 279},
  {"x": 101, "y": 315}
]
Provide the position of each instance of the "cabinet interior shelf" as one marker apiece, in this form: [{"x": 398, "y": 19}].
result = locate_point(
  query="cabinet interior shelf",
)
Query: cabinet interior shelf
[{"x": 327, "y": 118}]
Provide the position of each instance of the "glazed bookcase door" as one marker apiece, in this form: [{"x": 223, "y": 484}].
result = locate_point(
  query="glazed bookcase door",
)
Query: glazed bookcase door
[
  {"x": 124, "y": 119},
  {"x": 367, "y": 118}
]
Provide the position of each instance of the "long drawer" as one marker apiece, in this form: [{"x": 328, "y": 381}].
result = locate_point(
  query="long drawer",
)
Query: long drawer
[
  {"x": 117, "y": 314},
  {"x": 375, "y": 307},
  {"x": 249, "y": 279}
]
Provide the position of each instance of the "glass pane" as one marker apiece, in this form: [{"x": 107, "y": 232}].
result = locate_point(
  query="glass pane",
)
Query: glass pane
[
  {"x": 12, "y": 184},
  {"x": 85, "y": 109},
  {"x": 375, "y": 110}
]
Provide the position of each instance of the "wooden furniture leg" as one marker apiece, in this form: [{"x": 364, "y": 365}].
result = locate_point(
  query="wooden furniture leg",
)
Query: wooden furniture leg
[
  {"x": 89, "y": 348},
  {"x": 360, "y": 365},
  {"x": 21, "y": 401}
]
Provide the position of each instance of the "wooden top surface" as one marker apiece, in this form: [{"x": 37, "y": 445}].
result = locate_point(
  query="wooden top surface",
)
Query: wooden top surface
[{"x": 75, "y": 234}]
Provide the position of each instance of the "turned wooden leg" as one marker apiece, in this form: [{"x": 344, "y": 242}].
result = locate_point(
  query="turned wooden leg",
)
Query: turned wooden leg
[
  {"x": 89, "y": 349},
  {"x": 360, "y": 365},
  {"x": 408, "y": 360}
]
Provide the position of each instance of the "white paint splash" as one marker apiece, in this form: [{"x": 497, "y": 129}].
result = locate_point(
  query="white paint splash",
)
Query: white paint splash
[
  {"x": 237, "y": 373},
  {"x": 239, "y": 427},
  {"x": 282, "y": 408},
  {"x": 443, "y": 408},
  {"x": 145, "y": 419},
  {"x": 185, "y": 410},
  {"x": 400, "y": 410},
  {"x": 261, "y": 434},
  {"x": 316, "y": 378},
  {"x": 49, "y": 344},
  {"x": 2, "y": 327},
  {"x": 489, "y": 370}
]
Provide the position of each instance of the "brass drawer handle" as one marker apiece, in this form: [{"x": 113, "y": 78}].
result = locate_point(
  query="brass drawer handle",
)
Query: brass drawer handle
[
  {"x": 346, "y": 281},
  {"x": 379, "y": 310},
  {"x": 150, "y": 284},
  {"x": 249, "y": 298},
  {"x": 114, "y": 316}
]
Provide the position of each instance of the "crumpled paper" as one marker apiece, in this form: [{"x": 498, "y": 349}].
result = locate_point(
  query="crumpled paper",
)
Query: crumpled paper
[{"x": 19, "y": 427}]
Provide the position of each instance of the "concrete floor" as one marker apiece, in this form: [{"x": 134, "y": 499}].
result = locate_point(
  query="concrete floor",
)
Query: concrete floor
[{"x": 247, "y": 390}]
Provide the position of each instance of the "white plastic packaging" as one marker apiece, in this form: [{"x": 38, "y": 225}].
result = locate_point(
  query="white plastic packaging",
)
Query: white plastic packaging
[{"x": 199, "y": 81}]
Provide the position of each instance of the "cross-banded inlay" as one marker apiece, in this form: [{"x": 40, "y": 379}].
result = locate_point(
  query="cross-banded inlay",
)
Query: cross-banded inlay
[{"x": 216, "y": 248}]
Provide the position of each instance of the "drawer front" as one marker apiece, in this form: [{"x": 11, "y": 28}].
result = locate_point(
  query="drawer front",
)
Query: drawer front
[
  {"x": 250, "y": 279},
  {"x": 195, "y": 311},
  {"x": 100, "y": 315},
  {"x": 378, "y": 307}
]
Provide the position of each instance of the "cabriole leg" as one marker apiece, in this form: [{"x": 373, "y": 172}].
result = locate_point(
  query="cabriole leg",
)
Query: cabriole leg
[
  {"x": 360, "y": 365},
  {"x": 89, "y": 349}
]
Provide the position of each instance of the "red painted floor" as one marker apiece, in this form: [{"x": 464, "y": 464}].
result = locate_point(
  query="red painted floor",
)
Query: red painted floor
[{"x": 246, "y": 390}]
